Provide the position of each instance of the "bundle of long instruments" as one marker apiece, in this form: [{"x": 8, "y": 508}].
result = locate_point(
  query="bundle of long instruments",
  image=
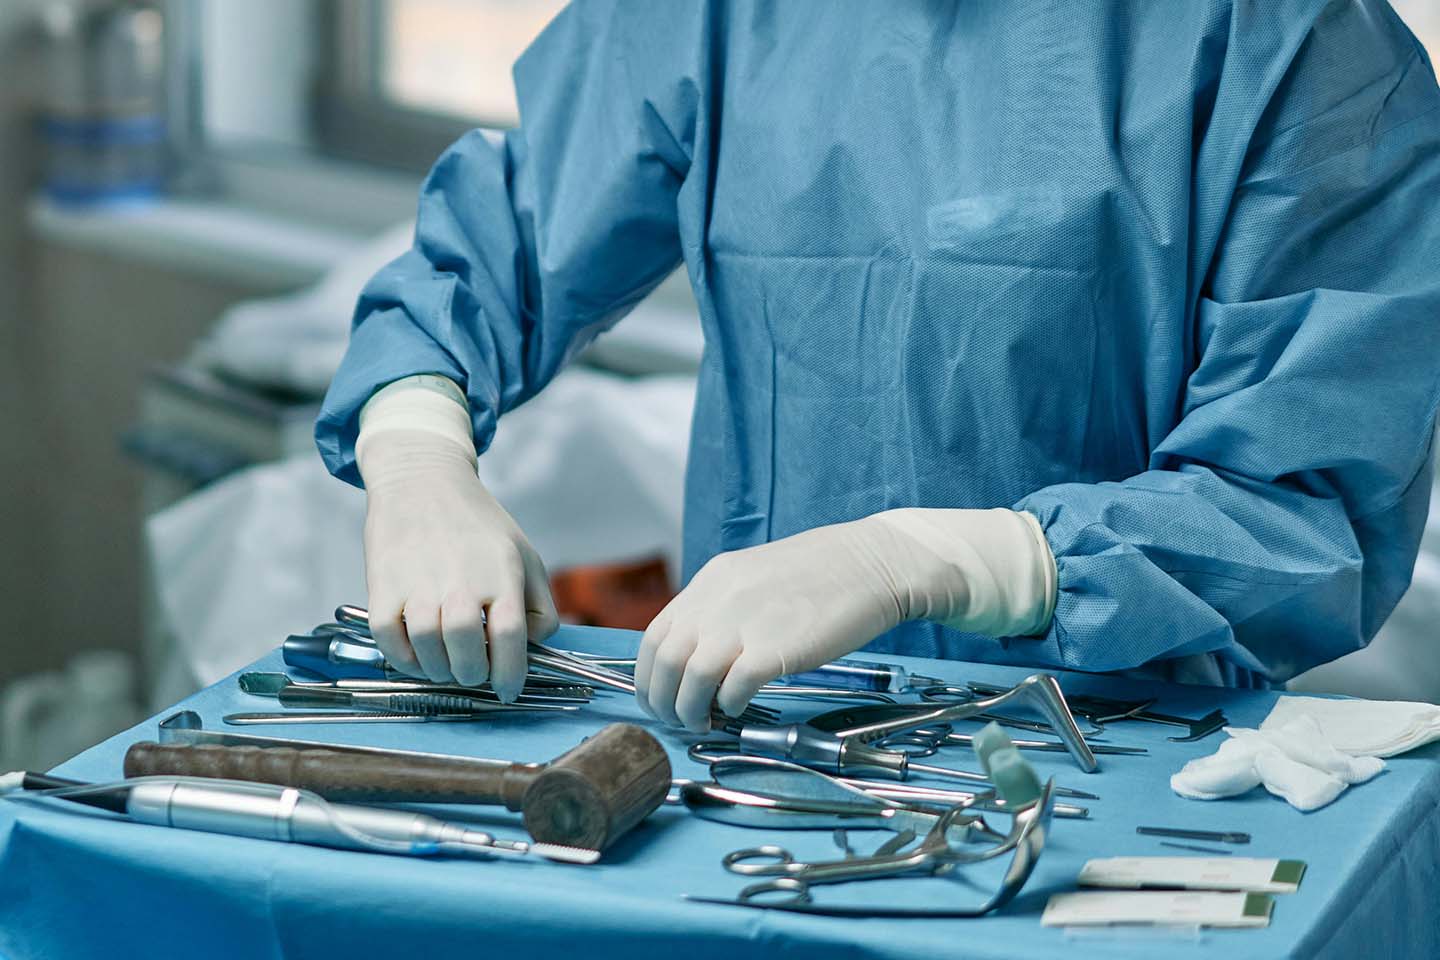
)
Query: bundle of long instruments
[{"x": 848, "y": 768}]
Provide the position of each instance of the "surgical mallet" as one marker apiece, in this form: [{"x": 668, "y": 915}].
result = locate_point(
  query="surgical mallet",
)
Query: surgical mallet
[{"x": 589, "y": 796}]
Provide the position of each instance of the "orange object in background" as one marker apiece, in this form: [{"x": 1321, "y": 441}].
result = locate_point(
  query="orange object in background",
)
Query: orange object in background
[{"x": 626, "y": 595}]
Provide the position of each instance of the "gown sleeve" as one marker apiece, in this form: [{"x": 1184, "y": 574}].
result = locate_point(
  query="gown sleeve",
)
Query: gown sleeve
[
  {"x": 527, "y": 248},
  {"x": 1278, "y": 522}
]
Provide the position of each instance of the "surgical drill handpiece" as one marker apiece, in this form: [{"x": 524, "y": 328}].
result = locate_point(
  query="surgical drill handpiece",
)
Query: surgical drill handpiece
[
  {"x": 842, "y": 756},
  {"x": 268, "y": 812}
]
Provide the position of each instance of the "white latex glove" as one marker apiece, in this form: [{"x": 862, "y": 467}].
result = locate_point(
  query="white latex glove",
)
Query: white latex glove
[
  {"x": 456, "y": 590},
  {"x": 791, "y": 605}
]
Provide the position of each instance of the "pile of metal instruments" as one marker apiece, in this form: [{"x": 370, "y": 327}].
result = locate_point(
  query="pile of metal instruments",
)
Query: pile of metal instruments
[
  {"x": 928, "y": 838},
  {"x": 850, "y": 768},
  {"x": 354, "y": 676}
]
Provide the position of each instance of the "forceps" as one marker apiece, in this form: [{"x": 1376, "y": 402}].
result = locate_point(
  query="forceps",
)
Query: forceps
[
  {"x": 793, "y": 690},
  {"x": 790, "y": 887},
  {"x": 927, "y": 741}
]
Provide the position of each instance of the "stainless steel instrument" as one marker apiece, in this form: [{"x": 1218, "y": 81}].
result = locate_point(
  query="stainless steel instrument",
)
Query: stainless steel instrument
[
  {"x": 352, "y": 716},
  {"x": 563, "y": 662},
  {"x": 927, "y": 741},
  {"x": 269, "y": 812},
  {"x": 269, "y": 684},
  {"x": 790, "y": 888},
  {"x": 1104, "y": 710},
  {"x": 1040, "y": 692},
  {"x": 769, "y": 775},
  {"x": 800, "y": 743}
]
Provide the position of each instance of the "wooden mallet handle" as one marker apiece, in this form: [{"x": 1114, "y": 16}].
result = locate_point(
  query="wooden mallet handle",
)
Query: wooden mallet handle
[{"x": 588, "y": 797}]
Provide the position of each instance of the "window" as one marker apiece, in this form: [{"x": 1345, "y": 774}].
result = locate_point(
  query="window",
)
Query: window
[
  {"x": 1422, "y": 17},
  {"x": 391, "y": 82},
  {"x": 454, "y": 56},
  {"x": 404, "y": 78}
]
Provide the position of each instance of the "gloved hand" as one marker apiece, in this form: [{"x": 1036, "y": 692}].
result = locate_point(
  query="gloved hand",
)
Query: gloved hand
[
  {"x": 455, "y": 588},
  {"x": 784, "y": 607}
]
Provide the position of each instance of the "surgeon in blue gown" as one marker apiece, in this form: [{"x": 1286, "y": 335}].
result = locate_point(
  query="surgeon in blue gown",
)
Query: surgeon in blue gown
[{"x": 1102, "y": 338}]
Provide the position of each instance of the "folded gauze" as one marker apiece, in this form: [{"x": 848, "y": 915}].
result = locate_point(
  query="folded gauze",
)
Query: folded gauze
[
  {"x": 1368, "y": 728},
  {"x": 1295, "y": 761}
]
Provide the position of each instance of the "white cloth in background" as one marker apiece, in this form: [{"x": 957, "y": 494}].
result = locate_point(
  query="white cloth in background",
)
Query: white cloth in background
[
  {"x": 1293, "y": 760},
  {"x": 1377, "y": 728},
  {"x": 1403, "y": 661},
  {"x": 1309, "y": 749},
  {"x": 294, "y": 343},
  {"x": 591, "y": 469}
]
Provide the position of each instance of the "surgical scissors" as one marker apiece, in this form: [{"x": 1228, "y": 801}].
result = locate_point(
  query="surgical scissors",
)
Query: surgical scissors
[
  {"x": 796, "y": 691},
  {"x": 790, "y": 886}
]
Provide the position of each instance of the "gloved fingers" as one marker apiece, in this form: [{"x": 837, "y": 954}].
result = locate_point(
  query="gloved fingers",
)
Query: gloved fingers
[
  {"x": 422, "y": 627},
  {"x": 508, "y": 635},
  {"x": 387, "y": 627},
  {"x": 655, "y": 635},
  {"x": 666, "y": 671},
  {"x": 541, "y": 618},
  {"x": 750, "y": 671},
  {"x": 703, "y": 672},
  {"x": 463, "y": 624}
]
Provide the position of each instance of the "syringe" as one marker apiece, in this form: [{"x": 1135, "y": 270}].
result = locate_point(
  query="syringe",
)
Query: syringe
[{"x": 850, "y": 674}]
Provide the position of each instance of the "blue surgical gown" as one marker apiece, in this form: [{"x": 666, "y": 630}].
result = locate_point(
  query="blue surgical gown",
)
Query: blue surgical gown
[{"x": 1167, "y": 275}]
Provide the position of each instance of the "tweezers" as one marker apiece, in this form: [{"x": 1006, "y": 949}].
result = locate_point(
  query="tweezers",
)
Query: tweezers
[
  {"x": 348, "y": 716},
  {"x": 1215, "y": 836}
]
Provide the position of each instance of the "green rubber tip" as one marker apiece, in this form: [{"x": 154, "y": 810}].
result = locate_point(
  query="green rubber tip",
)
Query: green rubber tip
[
  {"x": 990, "y": 741},
  {"x": 1015, "y": 780}
]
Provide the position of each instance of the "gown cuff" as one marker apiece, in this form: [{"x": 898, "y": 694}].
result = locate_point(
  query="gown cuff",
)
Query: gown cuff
[
  {"x": 979, "y": 571},
  {"x": 428, "y": 402}
]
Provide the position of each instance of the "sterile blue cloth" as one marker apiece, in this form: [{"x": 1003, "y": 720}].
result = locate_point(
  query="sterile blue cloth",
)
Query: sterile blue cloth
[
  {"x": 1165, "y": 274},
  {"x": 78, "y": 884}
]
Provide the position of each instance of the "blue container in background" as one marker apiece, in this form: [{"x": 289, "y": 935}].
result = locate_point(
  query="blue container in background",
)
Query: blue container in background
[{"x": 102, "y": 120}]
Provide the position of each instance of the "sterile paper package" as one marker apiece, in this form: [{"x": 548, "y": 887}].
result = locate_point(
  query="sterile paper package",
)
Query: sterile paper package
[
  {"x": 1158, "y": 908},
  {"x": 1237, "y": 874}
]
